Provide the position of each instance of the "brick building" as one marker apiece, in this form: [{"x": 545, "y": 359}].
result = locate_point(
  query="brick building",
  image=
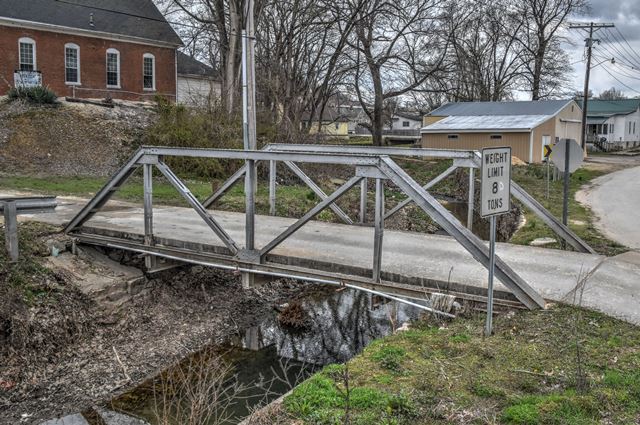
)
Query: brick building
[{"x": 88, "y": 48}]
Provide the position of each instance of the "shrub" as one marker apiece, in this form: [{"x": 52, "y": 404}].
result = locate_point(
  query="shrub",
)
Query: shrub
[
  {"x": 38, "y": 95},
  {"x": 179, "y": 126},
  {"x": 390, "y": 358}
]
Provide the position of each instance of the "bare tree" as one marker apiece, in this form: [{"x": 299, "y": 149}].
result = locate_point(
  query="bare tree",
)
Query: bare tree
[
  {"x": 546, "y": 62},
  {"x": 612, "y": 94},
  {"x": 300, "y": 46},
  {"x": 396, "y": 47},
  {"x": 217, "y": 25},
  {"x": 488, "y": 60}
]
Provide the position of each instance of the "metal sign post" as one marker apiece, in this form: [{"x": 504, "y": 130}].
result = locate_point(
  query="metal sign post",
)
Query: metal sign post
[
  {"x": 495, "y": 201},
  {"x": 568, "y": 157},
  {"x": 547, "y": 154}
]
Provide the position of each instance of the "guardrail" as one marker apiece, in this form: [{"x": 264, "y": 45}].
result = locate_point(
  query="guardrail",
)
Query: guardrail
[{"x": 12, "y": 207}]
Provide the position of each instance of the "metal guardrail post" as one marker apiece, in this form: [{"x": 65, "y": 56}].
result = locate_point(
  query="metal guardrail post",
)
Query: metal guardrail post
[
  {"x": 149, "y": 260},
  {"x": 273, "y": 170},
  {"x": 472, "y": 191},
  {"x": 11, "y": 230},
  {"x": 379, "y": 230}
]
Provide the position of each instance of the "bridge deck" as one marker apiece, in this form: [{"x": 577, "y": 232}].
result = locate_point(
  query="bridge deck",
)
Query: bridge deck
[{"x": 408, "y": 258}]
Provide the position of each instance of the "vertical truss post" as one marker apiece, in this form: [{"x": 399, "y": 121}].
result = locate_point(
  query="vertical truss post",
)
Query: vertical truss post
[
  {"x": 250, "y": 195},
  {"x": 471, "y": 205},
  {"x": 363, "y": 200},
  {"x": 11, "y": 230},
  {"x": 150, "y": 260},
  {"x": 273, "y": 170},
  {"x": 379, "y": 230}
]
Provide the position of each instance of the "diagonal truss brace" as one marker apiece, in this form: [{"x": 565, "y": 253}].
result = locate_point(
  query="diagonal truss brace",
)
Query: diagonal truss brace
[
  {"x": 310, "y": 215},
  {"x": 196, "y": 205},
  {"x": 225, "y": 187},
  {"x": 428, "y": 186},
  {"x": 318, "y": 191},
  {"x": 526, "y": 294},
  {"x": 107, "y": 191}
]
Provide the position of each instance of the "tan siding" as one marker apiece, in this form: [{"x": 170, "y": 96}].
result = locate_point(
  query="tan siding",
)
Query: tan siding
[
  {"x": 428, "y": 119},
  {"x": 570, "y": 130},
  {"x": 547, "y": 128},
  {"x": 558, "y": 129},
  {"x": 519, "y": 142}
]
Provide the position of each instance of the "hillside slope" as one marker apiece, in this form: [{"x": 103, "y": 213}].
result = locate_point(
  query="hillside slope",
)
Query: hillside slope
[{"x": 70, "y": 139}]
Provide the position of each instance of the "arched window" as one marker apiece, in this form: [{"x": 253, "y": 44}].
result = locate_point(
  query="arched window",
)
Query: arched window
[
  {"x": 27, "y": 52},
  {"x": 148, "y": 72},
  {"x": 72, "y": 63},
  {"x": 113, "y": 68}
]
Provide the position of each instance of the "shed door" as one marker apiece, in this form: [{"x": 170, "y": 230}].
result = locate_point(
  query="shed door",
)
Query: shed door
[{"x": 546, "y": 140}]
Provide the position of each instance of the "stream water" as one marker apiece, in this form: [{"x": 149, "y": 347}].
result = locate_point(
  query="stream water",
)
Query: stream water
[{"x": 267, "y": 359}]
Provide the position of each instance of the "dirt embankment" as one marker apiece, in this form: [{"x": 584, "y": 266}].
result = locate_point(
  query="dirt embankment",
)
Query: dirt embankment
[
  {"x": 61, "y": 353},
  {"x": 69, "y": 139}
]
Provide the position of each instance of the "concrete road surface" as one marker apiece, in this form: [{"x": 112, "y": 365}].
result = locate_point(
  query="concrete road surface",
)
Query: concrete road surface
[
  {"x": 613, "y": 285},
  {"x": 615, "y": 199}
]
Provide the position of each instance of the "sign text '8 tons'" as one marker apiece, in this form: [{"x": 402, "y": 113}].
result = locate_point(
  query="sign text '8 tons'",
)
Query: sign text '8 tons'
[{"x": 496, "y": 181}]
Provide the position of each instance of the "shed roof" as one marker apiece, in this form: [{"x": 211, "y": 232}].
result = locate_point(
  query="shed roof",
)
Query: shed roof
[
  {"x": 539, "y": 107},
  {"x": 188, "y": 65},
  {"x": 139, "y": 18},
  {"x": 598, "y": 107},
  {"x": 486, "y": 123}
]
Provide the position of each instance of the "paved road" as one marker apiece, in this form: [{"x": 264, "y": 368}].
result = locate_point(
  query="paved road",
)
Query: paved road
[
  {"x": 613, "y": 287},
  {"x": 615, "y": 199}
]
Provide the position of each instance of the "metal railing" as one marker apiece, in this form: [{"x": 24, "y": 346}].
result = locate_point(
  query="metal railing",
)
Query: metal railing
[
  {"x": 12, "y": 207},
  {"x": 374, "y": 164}
]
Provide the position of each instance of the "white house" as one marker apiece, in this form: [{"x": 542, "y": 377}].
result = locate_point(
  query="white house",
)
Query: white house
[
  {"x": 198, "y": 83},
  {"x": 406, "y": 121},
  {"x": 613, "y": 123}
]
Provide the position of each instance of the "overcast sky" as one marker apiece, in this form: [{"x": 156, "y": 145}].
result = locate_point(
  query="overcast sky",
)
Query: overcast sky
[{"x": 625, "y": 14}]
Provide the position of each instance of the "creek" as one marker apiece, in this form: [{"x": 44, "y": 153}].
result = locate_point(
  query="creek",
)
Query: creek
[{"x": 265, "y": 361}]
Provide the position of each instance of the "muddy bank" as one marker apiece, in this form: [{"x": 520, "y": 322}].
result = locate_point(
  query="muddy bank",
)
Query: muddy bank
[{"x": 101, "y": 356}]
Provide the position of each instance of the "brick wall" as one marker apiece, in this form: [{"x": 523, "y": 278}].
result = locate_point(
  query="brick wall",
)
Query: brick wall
[{"x": 50, "y": 53}]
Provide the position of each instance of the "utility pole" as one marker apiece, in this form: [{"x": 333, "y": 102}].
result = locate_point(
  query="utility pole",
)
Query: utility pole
[
  {"x": 591, "y": 27},
  {"x": 249, "y": 131}
]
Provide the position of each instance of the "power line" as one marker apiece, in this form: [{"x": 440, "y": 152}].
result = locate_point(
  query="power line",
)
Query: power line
[
  {"x": 618, "y": 58},
  {"x": 611, "y": 45},
  {"x": 624, "y": 54},
  {"x": 628, "y": 44},
  {"x": 616, "y": 78}
]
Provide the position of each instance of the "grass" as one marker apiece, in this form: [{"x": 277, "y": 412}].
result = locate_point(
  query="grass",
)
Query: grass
[
  {"x": 27, "y": 279},
  {"x": 525, "y": 374},
  {"x": 294, "y": 200},
  {"x": 581, "y": 220}
]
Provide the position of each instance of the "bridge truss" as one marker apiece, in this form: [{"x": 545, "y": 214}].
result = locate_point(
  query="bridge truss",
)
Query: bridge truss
[{"x": 368, "y": 163}]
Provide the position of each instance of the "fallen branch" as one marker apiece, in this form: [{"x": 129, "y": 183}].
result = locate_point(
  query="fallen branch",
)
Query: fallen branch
[{"x": 124, "y": 369}]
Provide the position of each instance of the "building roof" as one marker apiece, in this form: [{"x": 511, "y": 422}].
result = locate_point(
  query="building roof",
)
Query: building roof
[
  {"x": 408, "y": 115},
  {"x": 606, "y": 108},
  {"x": 131, "y": 18},
  {"x": 539, "y": 107},
  {"x": 188, "y": 65},
  {"x": 486, "y": 123}
]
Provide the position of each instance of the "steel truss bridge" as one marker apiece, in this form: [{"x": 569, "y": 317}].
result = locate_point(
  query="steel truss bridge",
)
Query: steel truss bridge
[{"x": 367, "y": 163}]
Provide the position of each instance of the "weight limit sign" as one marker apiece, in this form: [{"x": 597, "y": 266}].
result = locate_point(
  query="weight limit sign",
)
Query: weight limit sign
[{"x": 495, "y": 196}]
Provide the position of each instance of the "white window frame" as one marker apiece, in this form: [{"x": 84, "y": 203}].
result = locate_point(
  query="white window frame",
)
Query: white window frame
[
  {"x": 77, "y": 49},
  {"x": 27, "y": 40},
  {"x": 106, "y": 58},
  {"x": 153, "y": 59}
]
